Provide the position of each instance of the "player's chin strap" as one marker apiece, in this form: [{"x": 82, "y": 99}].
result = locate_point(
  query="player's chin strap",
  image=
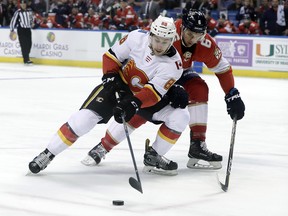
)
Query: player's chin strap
[
  {"x": 183, "y": 41},
  {"x": 132, "y": 181}
]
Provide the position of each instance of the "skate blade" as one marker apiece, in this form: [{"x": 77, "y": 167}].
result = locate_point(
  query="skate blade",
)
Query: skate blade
[
  {"x": 29, "y": 173},
  {"x": 88, "y": 161},
  {"x": 194, "y": 164},
  {"x": 154, "y": 170}
]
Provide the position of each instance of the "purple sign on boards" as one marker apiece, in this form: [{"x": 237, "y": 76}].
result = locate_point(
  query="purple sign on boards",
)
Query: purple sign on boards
[{"x": 237, "y": 51}]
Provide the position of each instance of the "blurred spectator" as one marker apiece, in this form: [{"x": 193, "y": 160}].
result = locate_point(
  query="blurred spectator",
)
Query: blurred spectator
[
  {"x": 122, "y": 15},
  {"x": 106, "y": 4},
  {"x": 213, "y": 4},
  {"x": 75, "y": 19},
  {"x": 199, "y": 5},
  {"x": 3, "y": 13},
  {"x": 39, "y": 7},
  {"x": 169, "y": 4},
  {"x": 96, "y": 3},
  {"x": 247, "y": 10},
  {"x": 235, "y": 6},
  {"x": 145, "y": 24},
  {"x": 53, "y": 4},
  {"x": 247, "y": 26},
  {"x": 138, "y": 3},
  {"x": 11, "y": 8},
  {"x": 226, "y": 27},
  {"x": 223, "y": 4},
  {"x": 149, "y": 10},
  {"x": 48, "y": 22},
  {"x": 264, "y": 5},
  {"x": 133, "y": 4},
  {"x": 285, "y": 4},
  {"x": 275, "y": 20},
  {"x": 103, "y": 20},
  {"x": 211, "y": 23},
  {"x": 112, "y": 7},
  {"x": 126, "y": 17},
  {"x": 90, "y": 19},
  {"x": 82, "y": 6},
  {"x": 61, "y": 13},
  {"x": 37, "y": 20}
]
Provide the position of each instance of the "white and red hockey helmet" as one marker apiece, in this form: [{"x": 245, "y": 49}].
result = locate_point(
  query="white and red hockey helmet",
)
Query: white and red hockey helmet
[{"x": 163, "y": 27}]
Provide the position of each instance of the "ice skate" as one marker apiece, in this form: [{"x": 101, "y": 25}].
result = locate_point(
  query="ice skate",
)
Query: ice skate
[
  {"x": 28, "y": 63},
  {"x": 155, "y": 163},
  {"x": 41, "y": 161},
  {"x": 198, "y": 152},
  {"x": 95, "y": 155}
]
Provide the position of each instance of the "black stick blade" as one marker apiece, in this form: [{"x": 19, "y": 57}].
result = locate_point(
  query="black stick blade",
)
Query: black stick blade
[
  {"x": 135, "y": 184},
  {"x": 224, "y": 187}
]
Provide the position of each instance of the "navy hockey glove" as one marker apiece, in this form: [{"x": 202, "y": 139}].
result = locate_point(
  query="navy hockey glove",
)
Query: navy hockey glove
[
  {"x": 128, "y": 107},
  {"x": 112, "y": 82},
  {"x": 177, "y": 96},
  {"x": 235, "y": 105}
]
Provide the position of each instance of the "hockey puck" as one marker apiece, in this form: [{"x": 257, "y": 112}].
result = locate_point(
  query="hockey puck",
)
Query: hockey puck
[{"x": 118, "y": 202}]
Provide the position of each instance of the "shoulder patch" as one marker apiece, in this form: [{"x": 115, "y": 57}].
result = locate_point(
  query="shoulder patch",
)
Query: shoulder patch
[{"x": 217, "y": 53}]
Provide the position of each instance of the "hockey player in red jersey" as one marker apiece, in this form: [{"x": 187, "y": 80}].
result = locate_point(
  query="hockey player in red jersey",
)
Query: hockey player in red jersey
[
  {"x": 193, "y": 44},
  {"x": 141, "y": 67}
]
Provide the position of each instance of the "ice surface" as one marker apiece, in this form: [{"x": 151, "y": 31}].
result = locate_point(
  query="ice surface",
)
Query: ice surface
[{"x": 36, "y": 100}]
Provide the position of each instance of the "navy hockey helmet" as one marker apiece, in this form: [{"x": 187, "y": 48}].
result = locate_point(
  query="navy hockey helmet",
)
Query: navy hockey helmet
[{"x": 194, "y": 20}]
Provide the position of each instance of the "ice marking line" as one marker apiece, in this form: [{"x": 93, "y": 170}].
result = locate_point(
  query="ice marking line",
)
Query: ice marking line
[{"x": 41, "y": 78}]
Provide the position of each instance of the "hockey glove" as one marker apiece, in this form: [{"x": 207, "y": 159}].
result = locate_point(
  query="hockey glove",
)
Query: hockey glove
[
  {"x": 177, "y": 96},
  {"x": 128, "y": 107},
  {"x": 112, "y": 82},
  {"x": 235, "y": 105}
]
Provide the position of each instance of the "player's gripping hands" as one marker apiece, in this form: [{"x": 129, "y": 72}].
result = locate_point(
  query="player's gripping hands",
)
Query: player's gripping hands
[
  {"x": 235, "y": 105},
  {"x": 128, "y": 107},
  {"x": 112, "y": 82},
  {"x": 177, "y": 96}
]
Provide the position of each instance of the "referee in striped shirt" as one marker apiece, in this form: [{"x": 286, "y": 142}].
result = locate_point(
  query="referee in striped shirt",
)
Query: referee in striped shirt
[{"x": 23, "y": 20}]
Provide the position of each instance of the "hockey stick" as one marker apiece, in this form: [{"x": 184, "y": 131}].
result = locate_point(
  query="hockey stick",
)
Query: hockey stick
[
  {"x": 136, "y": 184},
  {"x": 229, "y": 165}
]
